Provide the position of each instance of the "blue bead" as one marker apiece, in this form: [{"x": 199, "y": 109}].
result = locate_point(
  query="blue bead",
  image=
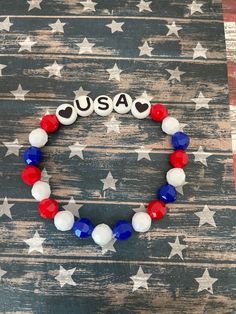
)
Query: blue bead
[
  {"x": 33, "y": 155},
  {"x": 180, "y": 140},
  {"x": 167, "y": 193},
  {"x": 83, "y": 228},
  {"x": 122, "y": 230}
]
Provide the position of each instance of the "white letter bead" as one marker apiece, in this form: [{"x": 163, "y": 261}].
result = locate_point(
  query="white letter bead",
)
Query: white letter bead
[
  {"x": 141, "y": 108},
  {"x": 64, "y": 220},
  {"x": 122, "y": 103},
  {"x": 141, "y": 222},
  {"x": 66, "y": 114},
  {"x": 103, "y": 105},
  {"x": 38, "y": 137},
  {"x": 102, "y": 234},
  {"x": 170, "y": 125},
  {"x": 83, "y": 105},
  {"x": 41, "y": 190},
  {"x": 176, "y": 177}
]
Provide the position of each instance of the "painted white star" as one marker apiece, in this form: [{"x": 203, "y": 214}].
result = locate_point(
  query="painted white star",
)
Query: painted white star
[
  {"x": 114, "y": 73},
  {"x": 81, "y": 92},
  {"x": 195, "y": 7},
  {"x": 19, "y": 93},
  {"x": 54, "y": 69},
  {"x": 177, "y": 248},
  {"x": 35, "y": 243},
  {"x": 179, "y": 189},
  {"x": 77, "y": 150},
  {"x": 201, "y": 156},
  {"x": 206, "y": 216},
  {"x": 64, "y": 276},
  {"x": 85, "y": 46},
  {"x": 199, "y": 52},
  {"x": 57, "y": 27},
  {"x": 206, "y": 282},
  {"x": 113, "y": 125},
  {"x": 73, "y": 207},
  {"x": 115, "y": 26},
  {"x": 34, "y": 4},
  {"x": 12, "y": 147},
  {"x": 109, "y": 182},
  {"x": 139, "y": 209},
  {"x": 26, "y": 44},
  {"x": 201, "y": 101},
  {"x": 182, "y": 126},
  {"x": 140, "y": 279},
  {"x": 175, "y": 74},
  {"x": 109, "y": 247},
  {"x": 5, "y": 24},
  {"x": 88, "y": 5},
  {"x": 173, "y": 29},
  {"x": 143, "y": 153},
  {"x": 2, "y": 66},
  {"x": 2, "y": 273},
  {"x": 144, "y": 6},
  {"x": 146, "y": 96},
  {"x": 5, "y": 208},
  {"x": 145, "y": 49},
  {"x": 45, "y": 176}
]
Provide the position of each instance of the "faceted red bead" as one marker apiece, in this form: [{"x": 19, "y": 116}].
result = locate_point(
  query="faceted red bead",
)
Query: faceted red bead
[
  {"x": 31, "y": 174},
  {"x": 158, "y": 112},
  {"x": 156, "y": 209},
  {"x": 179, "y": 158},
  {"x": 48, "y": 208},
  {"x": 50, "y": 123}
]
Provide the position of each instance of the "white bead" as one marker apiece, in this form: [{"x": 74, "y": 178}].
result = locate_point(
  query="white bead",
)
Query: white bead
[
  {"x": 141, "y": 108},
  {"x": 103, "y": 105},
  {"x": 170, "y": 125},
  {"x": 102, "y": 234},
  {"x": 122, "y": 103},
  {"x": 83, "y": 105},
  {"x": 141, "y": 222},
  {"x": 38, "y": 137},
  {"x": 176, "y": 177},
  {"x": 64, "y": 220},
  {"x": 41, "y": 190},
  {"x": 66, "y": 114}
]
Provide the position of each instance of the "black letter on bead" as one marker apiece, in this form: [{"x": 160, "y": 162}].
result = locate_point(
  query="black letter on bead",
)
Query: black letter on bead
[
  {"x": 102, "y": 101},
  {"x": 86, "y": 108},
  {"x": 121, "y": 101}
]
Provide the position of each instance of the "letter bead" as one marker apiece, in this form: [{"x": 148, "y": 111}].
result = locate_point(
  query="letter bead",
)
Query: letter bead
[
  {"x": 83, "y": 105},
  {"x": 66, "y": 114},
  {"x": 38, "y": 138},
  {"x": 141, "y": 108},
  {"x": 122, "y": 103},
  {"x": 103, "y": 105}
]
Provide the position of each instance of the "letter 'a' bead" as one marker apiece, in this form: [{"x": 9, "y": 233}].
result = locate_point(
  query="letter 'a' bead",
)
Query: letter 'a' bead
[
  {"x": 122, "y": 230},
  {"x": 180, "y": 140},
  {"x": 141, "y": 222},
  {"x": 122, "y": 103},
  {"x": 167, "y": 193},
  {"x": 41, "y": 190},
  {"x": 38, "y": 138},
  {"x": 64, "y": 220},
  {"x": 170, "y": 125},
  {"x": 83, "y": 228},
  {"x": 102, "y": 234}
]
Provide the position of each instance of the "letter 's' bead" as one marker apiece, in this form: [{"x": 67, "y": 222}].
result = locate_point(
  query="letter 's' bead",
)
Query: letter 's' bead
[
  {"x": 64, "y": 220},
  {"x": 38, "y": 138},
  {"x": 103, "y": 105},
  {"x": 170, "y": 125},
  {"x": 50, "y": 123},
  {"x": 33, "y": 155},
  {"x": 83, "y": 228},
  {"x": 158, "y": 112},
  {"x": 179, "y": 158},
  {"x": 31, "y": 174},
  {"x": 141, "y": 222},
  {"x": 122, "y": 230},
  {"x": 167, "y": 193},
  {"x": 41, "y": 190},
  {"x": 180, "y": 140},
  {"x": 48, "y": 208},
  {"x": 102, "y": 234},
  {"x": 156, "y": 209}
]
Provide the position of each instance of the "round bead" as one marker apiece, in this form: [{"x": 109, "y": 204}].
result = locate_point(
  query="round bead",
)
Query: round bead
[
  {"x": 158, "y": 112},
  {"x": 83, "y": 228},
  {"x": 167, "y": 193},
  {"x": 156, "y": 210},
  {"x": 141, "y": 222},
  {"x": 180, "y": 140},
  {"x": 102, "y": 234},
  {"x": 141, "y": 108},
  {"x": 83, "y": 106},
  {"x": 179, "y": 159},
  {"x": 103, "y": 105},
  {"x": 66, "y": 114},
  {"x": 38, "y": 138},
  {"x": 41, "y": 190},
  {"x": 122, "y": 103},
  {"x": 50, "y": 123},
  {"x": 48, "y": 208},
  {"x": 31, "y": 174},
  {"x": 33, "y": 155},
  {"x": 122, "y": 230},
  {"x": 176, "y": 177},
  {"x": 170, "y": 125},
  {"x": 64, "y": 220}
]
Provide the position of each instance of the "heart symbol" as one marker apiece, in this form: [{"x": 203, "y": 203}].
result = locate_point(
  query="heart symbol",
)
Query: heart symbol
[
  {"x": 141, "y": 107},
  {"x": 66, "y": 113}
]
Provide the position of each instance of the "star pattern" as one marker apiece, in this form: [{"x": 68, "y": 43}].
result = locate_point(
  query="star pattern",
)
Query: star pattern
[
  {"x": 5, "y": 24},
  {"x": 173, "y": 29},
  {"x": 206, "y": 282},
  {"x": 206, "y": 217},
  {"x": 45, "y": 177},
  {"x": 114, "y": 73},
  {"x": 81, "y": 92},
  {"x": 54, "y": 69},
  {"x": 85, "y": 46},
  {"x": 88, "y": 5},
  {"x": 113, "y": 125},
  {"x": 73, "y": 207},
  {"x": 115, "y": 26},
  {"x": 57, "y": 27},
  {"x": 146, "y": 96},
  {"x": 199, "y": 52},
  {"x": 77, "y": 150},
  {"x": 175, "y": 74},
  {"x": 201, "y": 101},
  {"x": 143, "y": 153},
  {"x": 180, "y": 189},
  {"x": 5, "y": 208},
  {"x": 2, "y": 273},
  {"x": 201, "y": 156},
  {"x": 2, "y": 66},
  {"x": 144, "y": 6},
  {"x": 13, "y": 148},
  {"x": 65, "y": 276},
  {"x": 195, "y": 7},
  {"x": 140, "y": 279},
  {"x": 145, "y": 49},
  {"x": 19, "y": 93},
  {"x": 35, "y": 243},
  {"x": 34, "y": 4},
  {"x": 177, "y": 248},
  {"x": 139, "y": 209},
  {"x": 109, "y": 247},
  {"x": 109, "y": 182},
  {"x": 26, "y": 44}
]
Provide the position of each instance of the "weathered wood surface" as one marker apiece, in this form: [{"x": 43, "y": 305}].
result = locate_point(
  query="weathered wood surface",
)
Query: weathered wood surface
[{"x": 103, "y": 284}]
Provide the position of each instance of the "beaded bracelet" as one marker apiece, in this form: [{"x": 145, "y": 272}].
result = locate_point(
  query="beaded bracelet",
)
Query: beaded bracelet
[{"x": 103, "y": 105}]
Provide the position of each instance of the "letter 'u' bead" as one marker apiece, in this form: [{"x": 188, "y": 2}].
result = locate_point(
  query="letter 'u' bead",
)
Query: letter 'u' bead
[{"x": 84, "y": 106}]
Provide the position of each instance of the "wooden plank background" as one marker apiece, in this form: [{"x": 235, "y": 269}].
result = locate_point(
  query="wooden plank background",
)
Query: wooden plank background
[{"x": 103, "y": 283}]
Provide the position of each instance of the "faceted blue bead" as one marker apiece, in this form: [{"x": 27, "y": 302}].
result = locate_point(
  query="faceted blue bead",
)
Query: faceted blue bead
[
  {"x": 83, "y": 228},
  {"x": 33, "y": 155},
  {"x": 180, "y": 140},
  {"x": 122, "y": 230},
  {"x": 167, "y": 193}
]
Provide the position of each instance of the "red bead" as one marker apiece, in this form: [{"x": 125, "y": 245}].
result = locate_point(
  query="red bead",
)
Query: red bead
[
  {"x": 156, "y": 210},
  {"x": 50, "y": 123},
  {"x": 179, "y": 159},
  {"x": 158, "y": 112},
  {"x": 31, "y": 174},
  {"x": 48, "y": 208}
]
